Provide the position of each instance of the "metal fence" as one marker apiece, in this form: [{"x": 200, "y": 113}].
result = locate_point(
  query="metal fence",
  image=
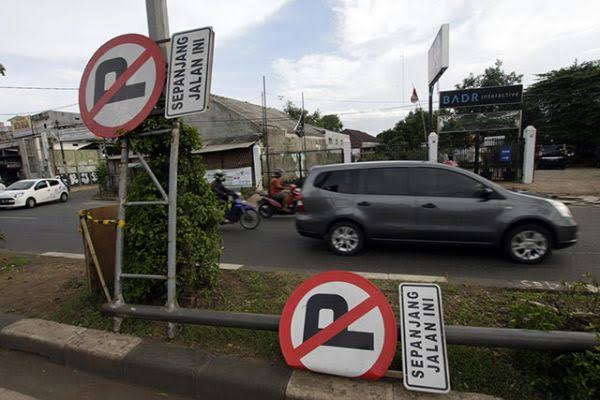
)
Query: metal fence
[
  {"x": 374, "y": 154},
  {"x": 297, "y": 164}
]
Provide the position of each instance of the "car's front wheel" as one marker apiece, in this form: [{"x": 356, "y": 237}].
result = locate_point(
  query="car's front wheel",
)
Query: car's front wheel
[
  {"x": 64, "y": 197},
  {"x": 528, "y": 244},
  {"x": 30, "y": 202},
  {"x": 346, "y": 238}
]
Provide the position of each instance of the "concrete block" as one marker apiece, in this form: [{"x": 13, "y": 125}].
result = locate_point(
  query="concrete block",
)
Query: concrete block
[
  {"x": 400, "y": 393},
  {"x": 310, "y": 386},
  {"x": 228, "y": 378},
  {"x": 9, "y": 319},
  {"x": 99, "y": 352},
  {"x": 37, "y": 336},
  {"x": 166, "y": 367}
]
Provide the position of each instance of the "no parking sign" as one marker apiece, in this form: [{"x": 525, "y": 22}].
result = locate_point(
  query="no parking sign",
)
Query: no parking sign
[{"x": 338, "y": 323}]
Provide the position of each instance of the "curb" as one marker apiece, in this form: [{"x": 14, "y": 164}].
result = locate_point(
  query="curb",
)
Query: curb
[{"x": 187, "y": 371}]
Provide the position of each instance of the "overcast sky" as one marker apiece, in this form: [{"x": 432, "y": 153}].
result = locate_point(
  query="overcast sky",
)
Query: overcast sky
[{"x": 356, "y": 58}]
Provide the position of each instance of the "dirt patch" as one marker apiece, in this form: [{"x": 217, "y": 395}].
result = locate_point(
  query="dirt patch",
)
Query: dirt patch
[
  {"x": 567, "y": 182},
  {"x": 35, "y": 286}
]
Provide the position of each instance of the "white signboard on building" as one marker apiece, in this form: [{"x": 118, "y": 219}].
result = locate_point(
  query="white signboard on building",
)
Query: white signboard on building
[
  {"x": 234, "y": 177},
  {"x": 424, "y": 356},
  {"x": 190, "y": 69},
  {"x": 438, "y": 54}
]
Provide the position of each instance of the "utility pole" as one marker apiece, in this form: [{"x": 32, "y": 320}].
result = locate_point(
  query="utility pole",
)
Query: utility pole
[
  {"x": 265, "y": 131},
  {"x": 431, "y": 107},
  {"x": 62, "y": 149}
]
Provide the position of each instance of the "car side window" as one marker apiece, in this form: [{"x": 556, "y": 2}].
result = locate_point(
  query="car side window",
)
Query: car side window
[
  {"x": 387, "y": 181},
  {"x": 338, "y": 181},
  {"x": 53, "y": 183},
  {"x": 442, "y": 183},
  {"x": 41, "y": 185}
]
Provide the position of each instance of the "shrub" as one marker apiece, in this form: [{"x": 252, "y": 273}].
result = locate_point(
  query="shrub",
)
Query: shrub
[
  {"x": 569, "y": 375},
  {"x": 198, "y": 217},
  {"x": 102, "y": 173}
]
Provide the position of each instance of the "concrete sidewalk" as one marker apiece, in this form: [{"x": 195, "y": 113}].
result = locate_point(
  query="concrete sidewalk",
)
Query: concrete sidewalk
[
  {"x": 188, "y": 372},
  {"x": 570, "y": 182}
]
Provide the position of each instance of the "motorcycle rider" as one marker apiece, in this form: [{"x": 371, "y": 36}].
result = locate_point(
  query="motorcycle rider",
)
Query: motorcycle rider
[
  {"x": 277, "y": 190},
  {"x": 219, "y": 188}
]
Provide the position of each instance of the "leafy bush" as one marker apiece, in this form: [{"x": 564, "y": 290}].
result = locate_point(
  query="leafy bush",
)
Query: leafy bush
[
  {"x": 198, "y": 217},
  {"x": 102, "y": 173},
  {"x": 568, "y": 375}
]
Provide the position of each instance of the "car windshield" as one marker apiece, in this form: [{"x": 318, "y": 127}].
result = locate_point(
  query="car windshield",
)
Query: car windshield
[{"x": 21, "y": 185}]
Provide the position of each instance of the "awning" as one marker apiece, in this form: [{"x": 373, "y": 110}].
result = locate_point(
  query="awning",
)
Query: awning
[{"x": 223, "y": 147}]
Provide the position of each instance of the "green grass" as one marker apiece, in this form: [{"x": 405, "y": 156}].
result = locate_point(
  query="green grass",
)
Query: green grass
[
  {"x": 490, "y": 371},
  {"x": 14, "y": 262}
]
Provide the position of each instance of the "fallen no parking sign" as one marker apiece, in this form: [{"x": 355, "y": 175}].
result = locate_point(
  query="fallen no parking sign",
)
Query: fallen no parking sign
[
  {"x": 121, "y": 84},
  {"x": 338, "y": 323}
]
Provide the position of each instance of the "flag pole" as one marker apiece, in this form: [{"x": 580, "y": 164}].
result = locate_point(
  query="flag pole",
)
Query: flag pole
[{"x": 421, "y": 107}]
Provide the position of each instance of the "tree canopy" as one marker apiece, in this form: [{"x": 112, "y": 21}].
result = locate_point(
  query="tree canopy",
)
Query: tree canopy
[
  {"x": 329, "y": 121},
  {"x": 493, "y": 75},
  {"x": 564, "y": 106},
  {"x": 407, "y": 134}
]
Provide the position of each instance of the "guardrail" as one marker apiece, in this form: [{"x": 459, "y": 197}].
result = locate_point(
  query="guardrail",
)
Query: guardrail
[{"x": 561, "y": 341}]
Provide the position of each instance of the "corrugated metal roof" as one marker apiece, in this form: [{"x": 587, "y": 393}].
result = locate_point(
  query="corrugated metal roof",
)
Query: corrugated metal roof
[{"x": 223, "y": 147}]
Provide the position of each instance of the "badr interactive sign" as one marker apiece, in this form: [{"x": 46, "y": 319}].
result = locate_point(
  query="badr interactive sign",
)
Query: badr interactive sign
[
  {"x": 484, "y": 96},
  {"x": 340, "y": 323}
]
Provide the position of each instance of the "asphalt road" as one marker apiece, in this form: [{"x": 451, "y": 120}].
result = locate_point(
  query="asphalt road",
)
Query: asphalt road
[
  {"x": 276, "y": 245},
  {"x": 37, "y": 378}
]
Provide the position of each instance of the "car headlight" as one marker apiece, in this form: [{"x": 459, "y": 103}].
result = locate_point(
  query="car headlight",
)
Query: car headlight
[
  {"x": 20, "y": 194},
  {"x": 561, "y": 208}
]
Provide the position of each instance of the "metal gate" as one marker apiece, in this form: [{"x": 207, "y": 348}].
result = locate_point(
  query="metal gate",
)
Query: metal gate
[
  {"x": 498, "y": 158},
  {"x": 297, "y": 164}
]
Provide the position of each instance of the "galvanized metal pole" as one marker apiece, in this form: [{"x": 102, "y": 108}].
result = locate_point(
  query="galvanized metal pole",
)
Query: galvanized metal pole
[
  {"x": 431, "y": 107},
  {"x": 172, "y": 227},
  {"x": 118, "y": 291},
  {"x": 158, "y": 29}
]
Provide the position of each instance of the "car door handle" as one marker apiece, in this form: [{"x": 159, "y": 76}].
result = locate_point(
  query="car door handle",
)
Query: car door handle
[
  {"x": 429, "y": 205},
  {"x": 364, "y": 204}
]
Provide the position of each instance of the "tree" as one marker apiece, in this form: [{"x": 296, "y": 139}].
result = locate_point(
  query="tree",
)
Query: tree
[
  {"x": 564, "y": 106},
  {"x": 295, "y": 112},
  {"x": 492, "y": 76},
  {"x": 331, "y": 122},
  {"x": 406, "y": 135}
]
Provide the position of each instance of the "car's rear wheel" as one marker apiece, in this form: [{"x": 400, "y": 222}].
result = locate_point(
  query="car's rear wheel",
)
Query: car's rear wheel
[
  {"x": 30, "y": 202},
  {"x": 528, "y": 244},
  {"x": 64, "y": 197},
  {"x": 346, "y": 238}
]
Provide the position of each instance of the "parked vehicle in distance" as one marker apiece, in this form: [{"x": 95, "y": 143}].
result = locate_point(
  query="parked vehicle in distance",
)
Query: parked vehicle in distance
[
  {"x": 30, "y": 192},
  {"x": 418, "y": 201},
  {"x": 553, "y": 156}
]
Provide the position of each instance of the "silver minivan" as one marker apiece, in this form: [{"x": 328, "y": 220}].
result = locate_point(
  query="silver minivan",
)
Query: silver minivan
[{"x": 416, "y": 201}]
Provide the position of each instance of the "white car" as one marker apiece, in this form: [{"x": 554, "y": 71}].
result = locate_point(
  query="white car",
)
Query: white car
[{"x": 29, "y": 192}]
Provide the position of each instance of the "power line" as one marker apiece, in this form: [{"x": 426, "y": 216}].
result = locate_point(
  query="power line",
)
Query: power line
[
  {"x": 39, "y": 111},
  {"x": 38, "y": 88}
]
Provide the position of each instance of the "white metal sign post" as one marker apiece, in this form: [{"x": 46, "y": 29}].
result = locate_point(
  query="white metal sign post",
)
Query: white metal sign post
[
  {"x": 190, "y": 67},
  {"x": 338, "y": 323},
  {"x": 424, "y": 357},
  {"x": 437, "y": 63}
]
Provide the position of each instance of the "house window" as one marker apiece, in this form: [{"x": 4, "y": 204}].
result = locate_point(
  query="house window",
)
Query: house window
[{"x": 330, "y": 140}]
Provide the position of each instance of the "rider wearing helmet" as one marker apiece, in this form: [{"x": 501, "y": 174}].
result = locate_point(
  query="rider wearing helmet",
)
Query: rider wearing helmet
[
  {"x": 219, "y": 188},
  {"x": 277, "y": 190}
]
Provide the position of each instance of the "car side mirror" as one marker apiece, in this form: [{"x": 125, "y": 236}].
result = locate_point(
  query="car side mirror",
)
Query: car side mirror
[{"x": 484, "y": 193}]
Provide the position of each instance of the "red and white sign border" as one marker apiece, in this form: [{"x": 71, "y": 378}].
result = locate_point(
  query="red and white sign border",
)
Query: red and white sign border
[
  {"x": 155, "y": 54},
  {"x": 388, "y": 350}
]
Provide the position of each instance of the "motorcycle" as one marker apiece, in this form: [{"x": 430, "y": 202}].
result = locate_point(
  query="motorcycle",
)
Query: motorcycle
[
  {"x": 267, "y": 206},
  {"x": 242, "y": 212}
]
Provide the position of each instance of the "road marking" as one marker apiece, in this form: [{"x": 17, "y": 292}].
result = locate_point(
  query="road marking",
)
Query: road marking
[
  {"x": 75, "y": 256},
  {"x": 403, "y": 277},
  {"x": 231, "y": 267},
  {"x": 23, "y": 218}
]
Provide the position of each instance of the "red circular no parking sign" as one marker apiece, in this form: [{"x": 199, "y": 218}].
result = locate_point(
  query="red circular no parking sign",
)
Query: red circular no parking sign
[
  {"x": 121, "y": 84},
  {"x": 339, "y": 323}
]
